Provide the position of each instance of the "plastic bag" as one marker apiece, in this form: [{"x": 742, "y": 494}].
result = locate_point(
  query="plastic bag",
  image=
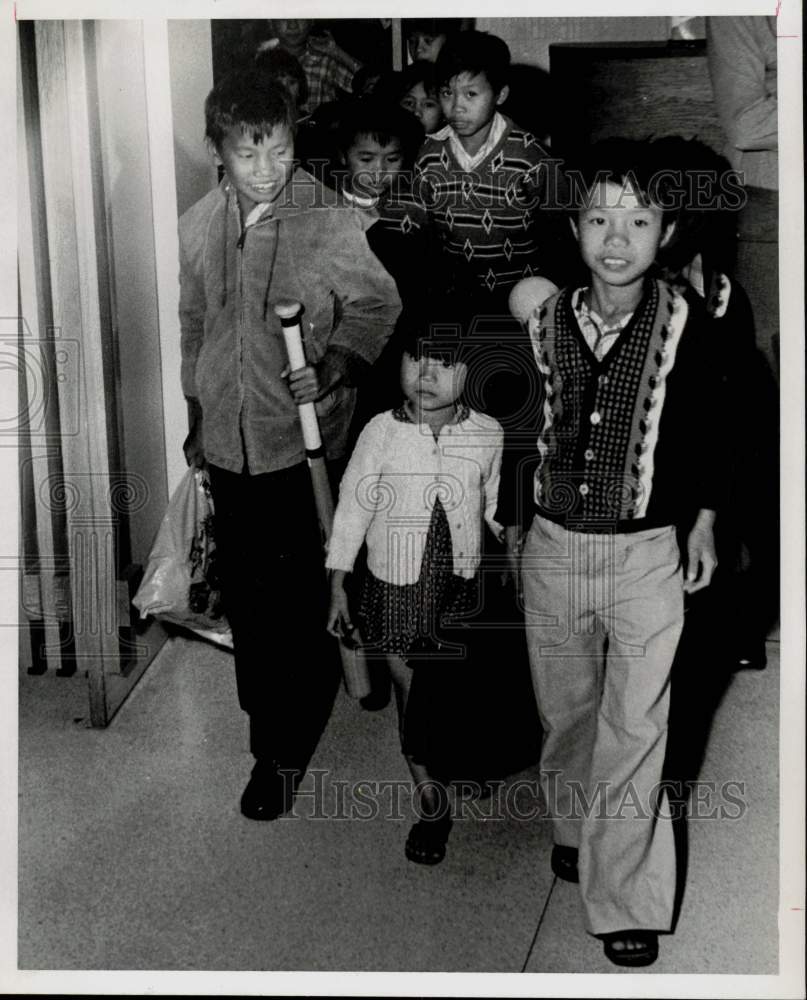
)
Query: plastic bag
[{"x": 180, "y": 584}]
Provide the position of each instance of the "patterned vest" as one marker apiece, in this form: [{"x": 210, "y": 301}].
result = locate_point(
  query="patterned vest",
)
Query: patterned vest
[{"x": 601, "y": 418}]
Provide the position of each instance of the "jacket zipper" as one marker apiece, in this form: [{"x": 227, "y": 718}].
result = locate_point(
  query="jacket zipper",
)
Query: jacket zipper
[{"x": 240, "y": 285}]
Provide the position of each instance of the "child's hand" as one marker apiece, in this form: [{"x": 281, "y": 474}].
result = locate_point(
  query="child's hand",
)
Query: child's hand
[
  {"x": 303, "y": 384},
  {"x": 339, "y": 612},
  {"x": 701, "y": 554},
  {"x": 193, "y": 445},
  {"x": 514, "y": 537},
  {"x": 309, "y": 384}
]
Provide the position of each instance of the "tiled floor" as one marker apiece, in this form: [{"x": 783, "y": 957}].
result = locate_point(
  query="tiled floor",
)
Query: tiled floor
[{"x": 133, "y": 854}]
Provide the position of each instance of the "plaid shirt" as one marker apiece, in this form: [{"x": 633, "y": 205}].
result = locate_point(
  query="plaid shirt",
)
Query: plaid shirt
[{"x": 328, "y": 70}]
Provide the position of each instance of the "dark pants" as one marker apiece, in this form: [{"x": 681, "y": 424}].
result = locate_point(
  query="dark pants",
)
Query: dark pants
[{"x": 275, "y": 595}]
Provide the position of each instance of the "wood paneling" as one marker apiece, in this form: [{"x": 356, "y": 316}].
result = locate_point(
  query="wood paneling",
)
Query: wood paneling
[
  {"x": 635, "y": 91},
  {"x": 529, "y": 38}
]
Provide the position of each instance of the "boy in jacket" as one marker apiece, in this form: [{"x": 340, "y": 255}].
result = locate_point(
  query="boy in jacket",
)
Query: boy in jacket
[{"x": 271, "y": 231}]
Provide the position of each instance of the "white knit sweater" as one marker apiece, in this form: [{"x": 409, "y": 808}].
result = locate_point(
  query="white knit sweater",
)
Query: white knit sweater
[{"x": 387, "y": 494}]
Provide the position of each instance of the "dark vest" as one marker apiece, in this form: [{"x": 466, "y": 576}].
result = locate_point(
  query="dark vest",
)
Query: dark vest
[{"x": 601, "y": 418}]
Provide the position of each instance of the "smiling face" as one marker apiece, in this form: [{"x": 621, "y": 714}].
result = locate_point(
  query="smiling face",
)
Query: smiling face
[
  {"x": 425, "y": 107},
  {"x": 469, "y": 103},
  {"x": 619, "y": 235},
  {"x": 371, "y": 166},
  {"x": 431, "y": 386},
  {"x": 258, "y": 171}
]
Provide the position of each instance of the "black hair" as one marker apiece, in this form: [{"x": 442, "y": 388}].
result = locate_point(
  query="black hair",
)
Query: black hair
[
  {"x": 474, "y": 52},
  {"x": 278, "y": 64},
  {"x": 441, "y": 328},
  {"x": 384, "y": 121},
  {"x": 420, "y": 71},
  {"x": 432, "y": 26},
  {"x": 631, "y": 163},
  {"x": 709, "y": 195},
  {"x": 251, "y": 101}
]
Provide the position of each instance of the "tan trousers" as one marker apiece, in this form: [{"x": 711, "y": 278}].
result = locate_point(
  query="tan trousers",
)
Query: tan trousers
[{"x": 604, "y": 613}]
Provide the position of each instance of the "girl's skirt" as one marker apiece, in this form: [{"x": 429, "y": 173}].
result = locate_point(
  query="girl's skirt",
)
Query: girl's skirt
[{"x": 421, "y": 623}]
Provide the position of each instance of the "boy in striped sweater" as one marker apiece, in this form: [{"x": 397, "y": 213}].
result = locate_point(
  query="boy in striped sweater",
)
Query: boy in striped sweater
[{"x": 481, "y": 177}]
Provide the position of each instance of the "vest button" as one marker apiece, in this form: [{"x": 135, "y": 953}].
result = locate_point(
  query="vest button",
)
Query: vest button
[
  {"x": 588, "y": 455},
  {"x": 595, "y": 418},
  {"x": 583, "y": 489},
  {"x": 603, "y": 380}
]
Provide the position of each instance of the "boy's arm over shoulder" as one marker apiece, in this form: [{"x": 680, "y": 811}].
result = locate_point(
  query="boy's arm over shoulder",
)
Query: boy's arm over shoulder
[{"x": 368, "y": 301}]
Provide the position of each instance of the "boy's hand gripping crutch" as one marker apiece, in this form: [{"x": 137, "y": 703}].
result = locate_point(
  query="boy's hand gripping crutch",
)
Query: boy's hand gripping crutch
[{"x": 354, "y": 665}]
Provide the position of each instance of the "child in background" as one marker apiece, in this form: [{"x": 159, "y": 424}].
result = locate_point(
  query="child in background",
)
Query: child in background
[
  {"x": 733, "y": 617},
  {"x": 419, "y": 96},
  {"x": 483, "y": 178},
  {"x": 418, "y": 486},
  {"x": 377, "y": 143},
  {"x": 329, "y": 70},
  {"x": 425, "y": 36},
  {"x": 270, "y": 231},
  {"x": 281, "y": 65},
  {"x": 628, "y": 450}
]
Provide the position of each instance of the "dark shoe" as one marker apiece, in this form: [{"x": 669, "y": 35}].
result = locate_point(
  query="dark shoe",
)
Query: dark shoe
[
  {"x": 564, "y": 863},
  {"x": 270, "y": 791},
  {"x": 380, "y": 687},
  {"x": 753, "y": 657},
  {"x": 375, "y": 700},
  {"x": 426, "y": 843},
  {"x": 643, "y": 952}
]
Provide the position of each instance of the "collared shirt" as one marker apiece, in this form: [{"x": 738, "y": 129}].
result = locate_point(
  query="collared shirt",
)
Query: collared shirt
[
  {"x": 599, "y": 335},
  {"x": 465, "y": 160},
  {"x": 257, "y": 211},
  {"x": 387, "y": 494}
]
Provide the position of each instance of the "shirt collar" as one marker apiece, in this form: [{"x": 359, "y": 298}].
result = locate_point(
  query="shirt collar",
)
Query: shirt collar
[
  {"x": 257, "y": 212},
  {"x": 497, "y": 129},
  {"x": 463, "y": 411},
  {"x": 582, "y": 308}
]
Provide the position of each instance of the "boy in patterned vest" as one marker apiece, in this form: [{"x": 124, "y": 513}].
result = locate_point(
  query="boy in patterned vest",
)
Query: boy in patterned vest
[
  {"x": 482, "y": 177},
  {"x": 627, "y": 453}
]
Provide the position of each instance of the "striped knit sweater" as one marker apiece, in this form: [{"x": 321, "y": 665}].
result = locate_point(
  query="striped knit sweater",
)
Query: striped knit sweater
[
  {"x": 633, "y": 441},
  {"x": 487, "y": 218}
]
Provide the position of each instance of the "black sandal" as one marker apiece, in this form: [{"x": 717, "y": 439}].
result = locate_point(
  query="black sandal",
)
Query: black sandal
[
  {"x": 564, "y": 863},
  {"x": 426, "y": 843},
  {"x": 645, "y": 954}
]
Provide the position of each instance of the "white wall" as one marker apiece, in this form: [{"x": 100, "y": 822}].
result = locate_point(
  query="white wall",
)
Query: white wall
[
  {"x": 130, "y": 227},
  {"x": 191, "y": 61}
]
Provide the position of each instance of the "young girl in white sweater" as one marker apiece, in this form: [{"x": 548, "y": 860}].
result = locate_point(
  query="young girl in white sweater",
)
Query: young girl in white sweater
[{"x": 420, "y": 483}]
